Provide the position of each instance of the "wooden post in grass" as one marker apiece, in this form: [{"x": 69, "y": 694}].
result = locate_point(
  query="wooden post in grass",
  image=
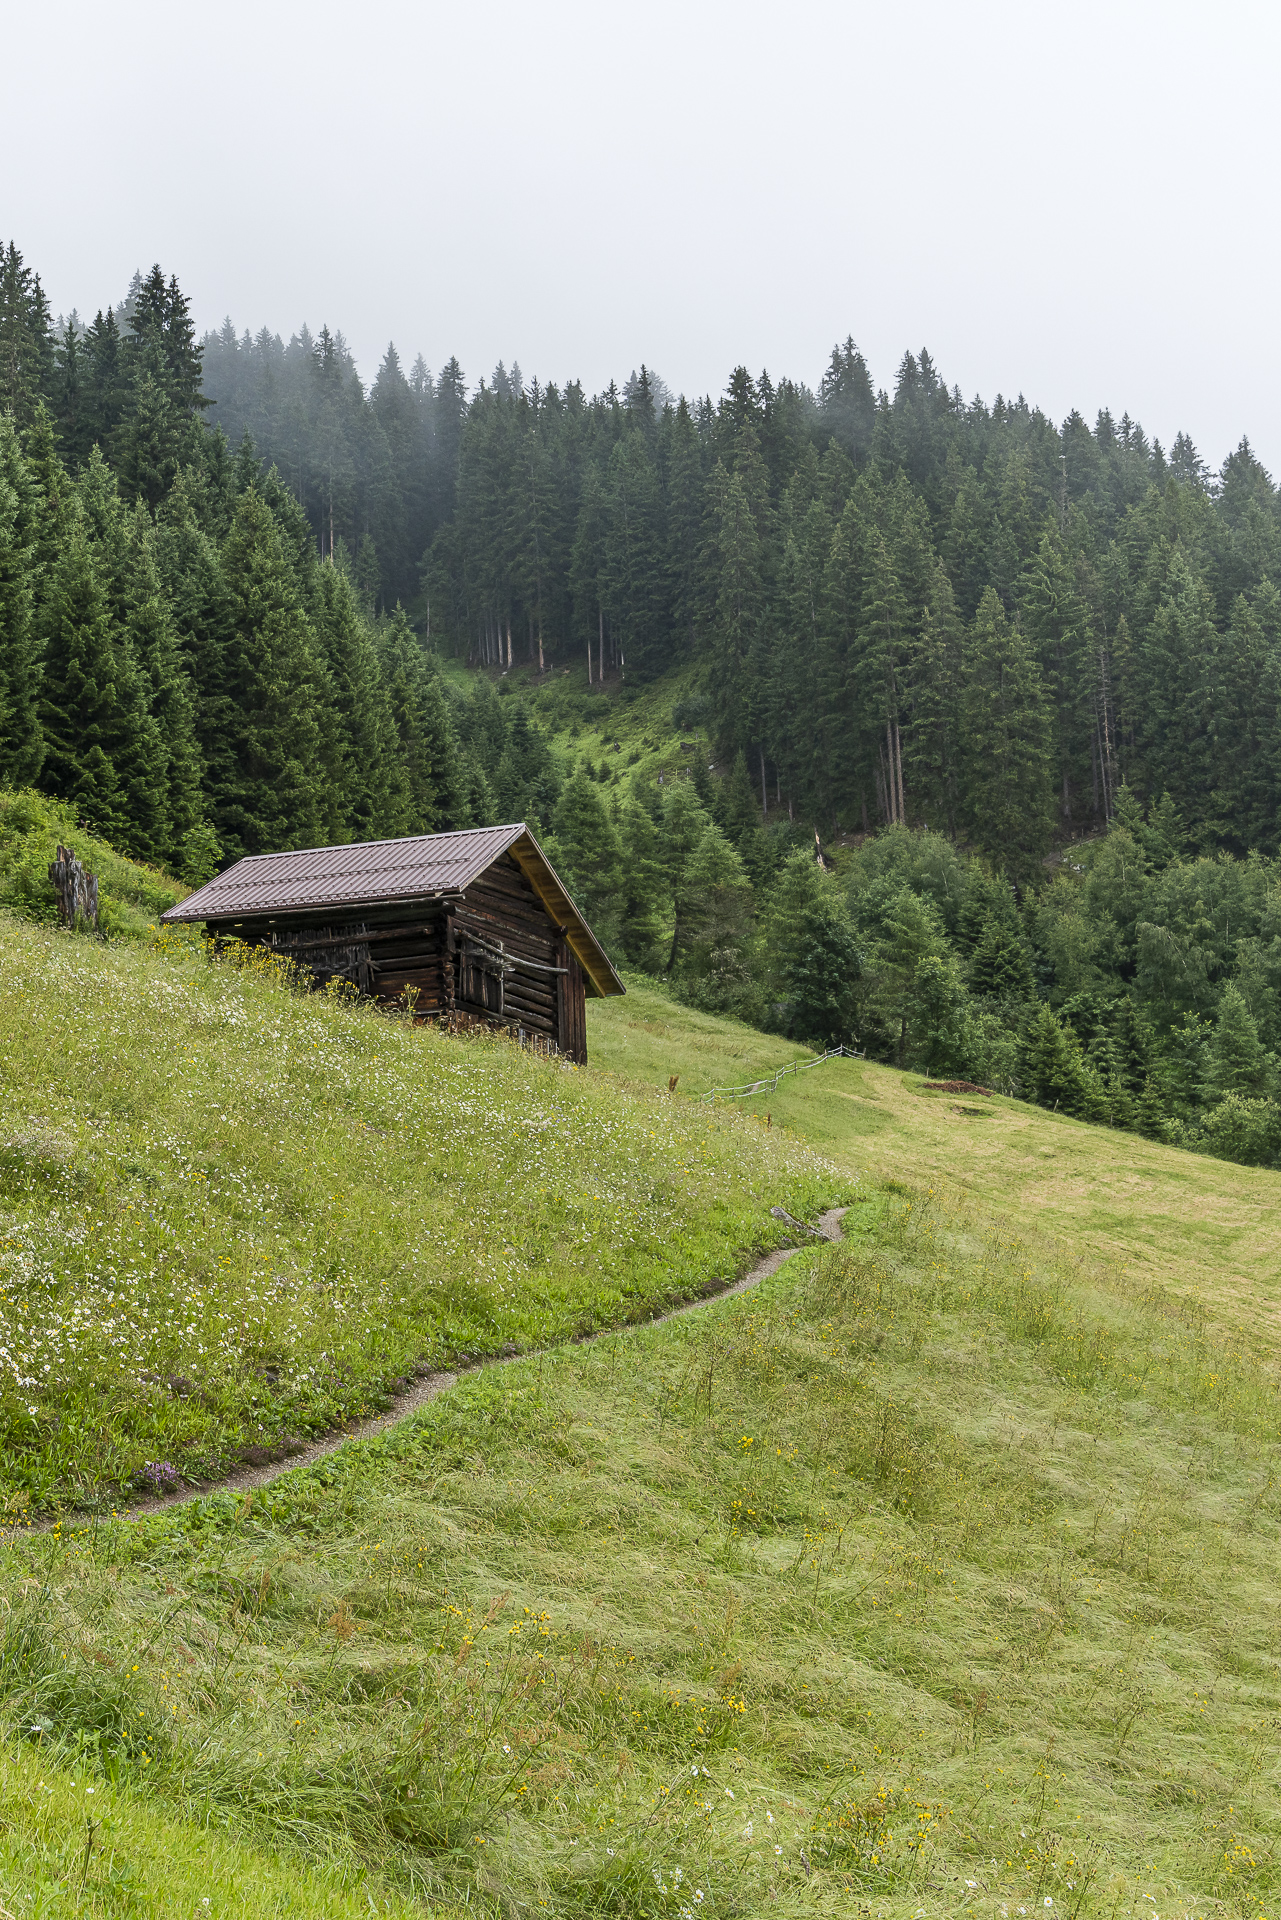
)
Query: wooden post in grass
[{"x": 77, "y": 891}]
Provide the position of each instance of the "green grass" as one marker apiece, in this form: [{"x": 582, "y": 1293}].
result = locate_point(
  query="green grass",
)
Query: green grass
[
  {"x": 934, "y": 1576},
  {"x": 625, "y": 728},
  {"x": 74, "y": 1843},
  {"x": 1203, "y": 1231},
  {"x": 947, "y": 1557},
  {"x": 131, "y": 896},
  {"x": 234, "y": 1214}
]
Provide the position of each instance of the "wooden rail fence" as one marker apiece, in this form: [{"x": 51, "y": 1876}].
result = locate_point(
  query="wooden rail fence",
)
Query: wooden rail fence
[{"x": 770, "y": 1082}]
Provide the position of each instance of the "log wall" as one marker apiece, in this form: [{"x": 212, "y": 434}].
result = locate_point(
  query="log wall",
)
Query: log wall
[{"x": 493, "y": 955}]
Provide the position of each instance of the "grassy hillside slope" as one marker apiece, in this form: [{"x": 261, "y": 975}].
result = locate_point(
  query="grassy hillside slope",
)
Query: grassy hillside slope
[
  {"x": 1202, "y": 1231},
  {"x": 233, "y": 1215},
  {"x": 131, "y": 897},
  {"x": 934, "y": 1577}
]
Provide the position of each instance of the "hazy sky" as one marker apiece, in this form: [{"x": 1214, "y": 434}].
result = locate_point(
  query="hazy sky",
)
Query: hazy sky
[{"x": 1075, "y": 201}]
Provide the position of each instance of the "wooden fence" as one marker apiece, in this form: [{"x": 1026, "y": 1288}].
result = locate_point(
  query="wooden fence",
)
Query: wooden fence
[{"x": 770, "y": 1082}]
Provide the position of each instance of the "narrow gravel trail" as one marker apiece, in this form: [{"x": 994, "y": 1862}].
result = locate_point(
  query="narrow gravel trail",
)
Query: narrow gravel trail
[{"x": 429, "y": 1385}]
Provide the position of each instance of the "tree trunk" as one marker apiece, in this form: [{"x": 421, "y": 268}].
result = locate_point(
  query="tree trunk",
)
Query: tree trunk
[
  {"x": 764, "y": 792},
  {"x": 77, "y": 891}
]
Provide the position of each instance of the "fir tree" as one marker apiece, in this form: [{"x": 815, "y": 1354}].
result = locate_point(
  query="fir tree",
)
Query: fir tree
[
  {"x": 21, "y": 741},
  {"x": 1006, "y": 741},
  {"x": 271, "y": 796},
  {"x": 26, "y": 340},
  {"x": 1235, "y": 1061}
]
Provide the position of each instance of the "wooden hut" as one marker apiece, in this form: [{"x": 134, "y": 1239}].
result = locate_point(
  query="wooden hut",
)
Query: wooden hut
[{"x": 476, "y": 924}]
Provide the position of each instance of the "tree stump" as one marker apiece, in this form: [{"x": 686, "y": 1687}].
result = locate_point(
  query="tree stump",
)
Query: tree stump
[{"x": 77, "y": 891}]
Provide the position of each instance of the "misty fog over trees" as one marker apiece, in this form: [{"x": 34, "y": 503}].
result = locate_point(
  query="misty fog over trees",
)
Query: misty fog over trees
[{"x": 949, "y": 639}]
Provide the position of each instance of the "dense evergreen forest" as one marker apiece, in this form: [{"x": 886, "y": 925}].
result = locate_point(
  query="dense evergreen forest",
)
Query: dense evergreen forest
[{"x": 992, "y": 706}]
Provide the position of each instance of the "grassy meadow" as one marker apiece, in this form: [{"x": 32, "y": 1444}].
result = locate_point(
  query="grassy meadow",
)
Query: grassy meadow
[
  {"x": 1203, "y": 1231},
  {"x": 935, "y": 1576},
  {"x": 932, "y": 1577},
  {"x": 234, "y": 1215}
]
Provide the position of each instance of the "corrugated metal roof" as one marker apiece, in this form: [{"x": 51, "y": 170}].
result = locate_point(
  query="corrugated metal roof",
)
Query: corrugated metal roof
[
  {"x": 374, "y": 873},
  {"x": 360, "y": 874}
]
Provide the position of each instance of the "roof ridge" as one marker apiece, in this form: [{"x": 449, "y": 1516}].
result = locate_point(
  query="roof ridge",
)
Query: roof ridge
[{"x": 388, "y": 840}]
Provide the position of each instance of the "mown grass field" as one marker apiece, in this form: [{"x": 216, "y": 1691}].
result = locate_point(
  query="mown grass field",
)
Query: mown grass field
[
  {"x": 936, "y": 1576},
  {"x": 1203, "y": 1230},
  {"x": 930, "y": 1578}
]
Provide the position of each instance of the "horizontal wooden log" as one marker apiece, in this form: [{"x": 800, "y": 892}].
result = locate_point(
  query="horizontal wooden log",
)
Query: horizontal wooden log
[
  {"x": 536, "y": 1009},
  {"x": 331, "y": 937},
  {"x": 389, "y": 963},
  {"x": 532, "y": 1020},
  {"x": 537, "y": 939},
  {"x": 510, "y": 915}
]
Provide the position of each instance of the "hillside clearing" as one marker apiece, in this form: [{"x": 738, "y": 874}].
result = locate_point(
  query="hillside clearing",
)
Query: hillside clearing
[{"x": 1198, "y": 1229}]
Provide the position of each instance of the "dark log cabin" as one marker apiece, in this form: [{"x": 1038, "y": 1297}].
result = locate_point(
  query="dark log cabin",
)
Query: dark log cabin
[{"x": 468, "y": 926}]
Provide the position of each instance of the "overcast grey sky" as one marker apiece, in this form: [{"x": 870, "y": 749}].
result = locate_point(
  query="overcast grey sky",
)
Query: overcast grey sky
[{"x": 1073, "y": 201}]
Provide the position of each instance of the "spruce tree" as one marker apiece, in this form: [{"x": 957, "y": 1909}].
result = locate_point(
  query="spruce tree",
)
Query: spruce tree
[
  {"x": 739, "y": 595},
  {"x": 1235, "y": 1061},
  {"x": 1133, "y": 1046},
  {"x": 633, "y": 559},
  {"x": 195, "y": 590},
  {"x": 586, "y": 852},
  {"x": 1007, "y": 794},
  {"x": 106, "y": 383},
  {"x": 1001, "y": 967},
  {"x": 1051, "y": 1069},
  {"x": 932, "y": 752},
  {"x": 70, "y": 402},
  {"x": 104, "y": 754},
  {"x": 1185, "y": 731},
  {"x": 373, "y": 778},
  {"x": 270, "y": 797},
  {"x": 21, "y": 741},
  {"x": 154, "y": 644},
  {"x": 26, "y": 340},
  {"x": 154, "y": 437},
  {"x": 644, "y": 899},
  {"x": 1056, "y": 621},
  {"x": 737, "y": 812}
]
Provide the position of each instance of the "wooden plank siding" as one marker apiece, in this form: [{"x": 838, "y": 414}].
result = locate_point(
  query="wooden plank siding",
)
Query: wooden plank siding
[{"x": 493, "y": 954}]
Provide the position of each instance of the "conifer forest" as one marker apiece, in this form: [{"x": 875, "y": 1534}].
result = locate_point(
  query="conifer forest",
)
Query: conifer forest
[{"x": 985, "y": 710}]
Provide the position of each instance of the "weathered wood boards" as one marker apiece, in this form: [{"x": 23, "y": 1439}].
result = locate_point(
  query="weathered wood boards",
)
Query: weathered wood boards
[
  {"x": 493, "y": 955},
  {"x": 77, "y": 891},
  {"x": 470, "y": 928}
]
